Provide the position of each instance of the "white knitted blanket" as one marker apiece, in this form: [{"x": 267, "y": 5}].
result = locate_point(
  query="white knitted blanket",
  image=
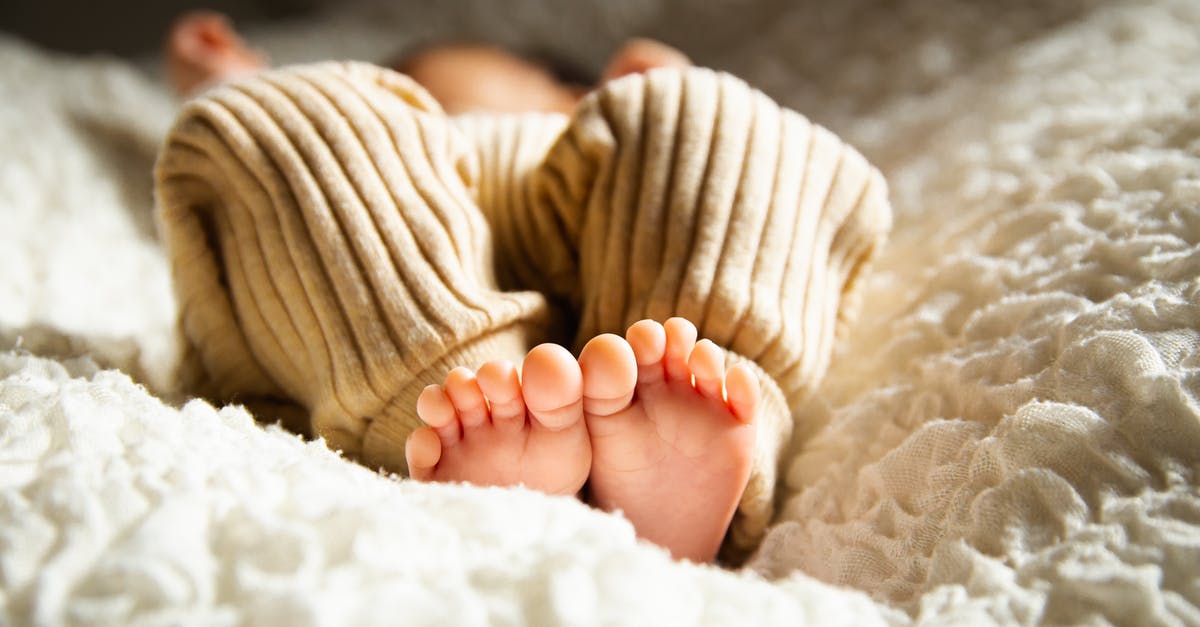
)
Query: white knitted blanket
[{"x": 1010, "y": 433}]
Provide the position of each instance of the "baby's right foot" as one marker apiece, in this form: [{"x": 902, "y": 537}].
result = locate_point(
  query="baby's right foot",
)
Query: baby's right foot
[
  {"x": 672, "y": 433},
  {"x": 491, "y": 429}
]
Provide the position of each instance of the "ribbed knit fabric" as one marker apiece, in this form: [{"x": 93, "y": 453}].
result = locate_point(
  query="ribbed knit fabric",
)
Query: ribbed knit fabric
[
  {"x": 688, "y": 193},
  {"x": 327, "y": 246},
  {"x": 510, "y": 148}
]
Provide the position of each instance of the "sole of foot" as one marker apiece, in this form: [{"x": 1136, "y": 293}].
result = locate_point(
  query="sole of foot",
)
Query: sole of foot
[{"x": 672, "y": 433}]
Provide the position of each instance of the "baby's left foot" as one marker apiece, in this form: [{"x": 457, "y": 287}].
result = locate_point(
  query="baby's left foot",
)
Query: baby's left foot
[{"x": 672, "y": 433}]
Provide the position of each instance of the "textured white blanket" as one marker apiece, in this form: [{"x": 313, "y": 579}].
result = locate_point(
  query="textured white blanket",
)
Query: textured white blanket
[{"x": 1010, "y": 433}]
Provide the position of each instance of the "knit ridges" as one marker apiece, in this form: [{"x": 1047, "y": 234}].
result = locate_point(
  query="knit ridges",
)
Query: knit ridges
[
  {"x": 691, "y": 194},
  {"x": 531, "y": 250},
  {"x": 345, "y": 242},
  {"x": 688, "y": 193}
]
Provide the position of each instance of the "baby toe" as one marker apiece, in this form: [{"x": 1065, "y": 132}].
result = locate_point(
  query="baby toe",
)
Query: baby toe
[
  {"x": 681, "y": 338},
  {"x": 464, "y": 393},
  {"x": 648, "y": 340},
  {"x": 500, "y": 383},
  {"x": 610, "y": 374},
  {"x": 707, "y": 363},
  {"x": 742, "y": 392},
  {"x": 552, "y": 385},
  {"x": 435, "y": 410},
  {"x": 422, "y": 450}
]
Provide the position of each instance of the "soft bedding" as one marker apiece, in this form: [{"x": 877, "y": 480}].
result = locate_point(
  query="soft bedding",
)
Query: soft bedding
[{"x": 1009, "y": 433}]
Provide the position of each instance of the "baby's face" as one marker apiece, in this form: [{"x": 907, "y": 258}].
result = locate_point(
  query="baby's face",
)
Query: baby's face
[{"x": 479, "y": 77}]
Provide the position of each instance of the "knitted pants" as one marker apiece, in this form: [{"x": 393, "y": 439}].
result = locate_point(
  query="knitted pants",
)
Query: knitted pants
[{"x": 338, "y": 243}]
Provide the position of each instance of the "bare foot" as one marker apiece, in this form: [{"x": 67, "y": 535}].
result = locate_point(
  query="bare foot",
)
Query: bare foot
[
  {"x": 203, "y": 49},
  {"x": 672, "y": 433},
  {"x": 493, "y": 429}
]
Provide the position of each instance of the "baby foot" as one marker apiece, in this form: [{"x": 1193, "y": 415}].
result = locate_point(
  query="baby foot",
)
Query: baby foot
[
  {"x": 493, "y": 429},
  {"x": 203, "y": 49},
  {"x": 672, "y": 433}
]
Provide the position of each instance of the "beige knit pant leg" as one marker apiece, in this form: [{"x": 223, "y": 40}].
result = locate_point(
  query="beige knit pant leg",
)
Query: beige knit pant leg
[
  {"x": 510, "y": 148},
  {"x": 687, "y": 193},
  {"x": 327, "y": 250}
]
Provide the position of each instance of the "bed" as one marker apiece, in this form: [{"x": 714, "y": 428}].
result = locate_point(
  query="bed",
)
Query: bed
[{"x": 1009, "y": 433}]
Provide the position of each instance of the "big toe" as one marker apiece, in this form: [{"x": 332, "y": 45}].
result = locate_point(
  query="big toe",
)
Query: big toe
[
  {"x": 552, "y": 385},
  {"x": 610, "y": 373}
]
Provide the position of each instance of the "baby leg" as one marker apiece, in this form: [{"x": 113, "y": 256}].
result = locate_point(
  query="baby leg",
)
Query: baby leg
[
  {"x": 326, "y": 250},
  {"x": 687, "y": 193}
]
